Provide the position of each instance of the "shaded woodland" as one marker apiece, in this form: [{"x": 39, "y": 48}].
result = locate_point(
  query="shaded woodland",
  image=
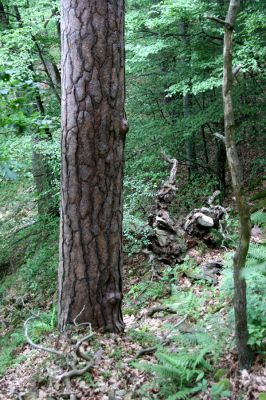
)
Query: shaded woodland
[{"x": 143, "y": 124}]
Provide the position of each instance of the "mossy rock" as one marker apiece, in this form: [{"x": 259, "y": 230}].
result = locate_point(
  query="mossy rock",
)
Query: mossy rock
[{"x": 219, "y": 374}]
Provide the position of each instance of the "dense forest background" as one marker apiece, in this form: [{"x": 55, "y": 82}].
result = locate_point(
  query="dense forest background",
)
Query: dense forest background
[{"x": 174, "y": 71}]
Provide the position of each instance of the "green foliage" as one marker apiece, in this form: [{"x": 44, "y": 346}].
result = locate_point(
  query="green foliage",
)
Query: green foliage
[
  {"x": 183, "y": 371},
  {"x": 135, "y": 233},
  {"x": 255, "y": 275},
  {"x": 8, "y": 346},
  {"x": 259, "y": 218},
  {"x": 146, "y": 291},
  {"x": 221, "y": 389},
  {"x": 143, "y": 336}
]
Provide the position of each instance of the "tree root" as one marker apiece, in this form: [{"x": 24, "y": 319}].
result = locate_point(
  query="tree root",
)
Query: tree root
[{"x": 78, "y": 354}]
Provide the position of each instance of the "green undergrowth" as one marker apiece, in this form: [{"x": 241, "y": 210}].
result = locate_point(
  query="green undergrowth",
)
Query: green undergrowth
[
  {"x": 29, "y": 284},
  {"x": 190, "y": 362},
  {"x": 11, "y": 343}
]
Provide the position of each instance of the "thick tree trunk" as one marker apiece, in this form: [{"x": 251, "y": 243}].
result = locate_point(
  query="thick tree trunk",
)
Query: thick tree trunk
[
  {"x": 93, "y": 135},
  {"x": 241, "y": 329}
]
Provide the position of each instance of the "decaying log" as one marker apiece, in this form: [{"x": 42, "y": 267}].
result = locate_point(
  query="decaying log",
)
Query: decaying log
[
  {"x": 166, "y": 243},
  {"x": 201, "y": 222}
]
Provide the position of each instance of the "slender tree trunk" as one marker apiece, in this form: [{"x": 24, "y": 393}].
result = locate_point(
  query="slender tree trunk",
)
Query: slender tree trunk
[
  {"x": 93, "y": 135},
  {"x": 191, "y": 154},
  {"x": 221, "y": 163},
  {"x": 240, "y": 306},
  {"x": 187, "y": 104},
  {"x": 3, "y": 17},
  {"x": 204, "y": 144},
  {"x": 41, "y": 170}
]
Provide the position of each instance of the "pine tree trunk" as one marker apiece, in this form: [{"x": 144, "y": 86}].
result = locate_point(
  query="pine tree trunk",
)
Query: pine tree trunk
[
  {"x": 240, "y": 306},
  {"x": 93, "y": 135}
]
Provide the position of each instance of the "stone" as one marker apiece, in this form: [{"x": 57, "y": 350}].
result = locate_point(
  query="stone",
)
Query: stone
[{"x": 204, "y": 220}]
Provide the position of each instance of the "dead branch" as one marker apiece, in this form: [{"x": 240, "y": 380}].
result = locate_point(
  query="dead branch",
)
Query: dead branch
[
  {"x": 78, "y": 350},
  {"x": 213, "y": 197},
  {"x": 151, "y": 350},
  {"x": 219, "y": 136},
  {"x": 236, "y": 70},
  {"x": 79, "y": 372},
  {"x": 53, "y": 13},
  {"x": 216, "y": 19},
  {"x": 172, "y": 179},
  {"x": 157, "y": 309},
  {"x": 144, "y": 352},
  {"x": 79, "y": 314},
  {"x": 37, "y": 346}
]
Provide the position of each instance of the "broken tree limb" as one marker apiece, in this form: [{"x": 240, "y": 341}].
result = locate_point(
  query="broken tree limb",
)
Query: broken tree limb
[{"x": 166, "y": 244}]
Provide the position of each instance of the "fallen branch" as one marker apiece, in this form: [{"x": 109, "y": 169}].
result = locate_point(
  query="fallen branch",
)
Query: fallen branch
[
  {"x": 37, "y": 346},
  {"x": 144, "y": 352},
  {"x": 79, "y": 372},
  {"x": 74, "y": 372},
  {"x": 157, "y": 309},
  {"x": 151, "y": 350}
]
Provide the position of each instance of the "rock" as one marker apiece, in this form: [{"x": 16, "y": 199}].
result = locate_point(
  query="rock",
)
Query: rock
[
  {"x": 207, "y": 224},
  {"x": 204, "y": 220}
]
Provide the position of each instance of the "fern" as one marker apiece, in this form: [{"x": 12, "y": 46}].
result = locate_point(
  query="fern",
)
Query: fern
[
  {"x": 185, "y": 370},
  {"x": 184, "y": 393},
  {"x": 255, "y": 275},
  {"x": 259, "y": 218}
]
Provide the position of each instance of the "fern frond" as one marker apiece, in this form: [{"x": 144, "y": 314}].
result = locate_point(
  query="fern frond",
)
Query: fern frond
[
  {"x": 184, "y": 393},
  {"x": 259, "y": 218}
]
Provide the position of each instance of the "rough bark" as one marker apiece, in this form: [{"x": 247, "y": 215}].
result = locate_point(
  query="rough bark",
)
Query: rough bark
[
  {"x": 241, "y": 329},
  {"x": 93, "y": 135}
]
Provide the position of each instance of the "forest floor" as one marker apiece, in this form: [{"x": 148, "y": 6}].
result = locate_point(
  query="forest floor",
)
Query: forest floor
[
  {"x": 170, "y": 312},
  {"x": 115, "y": 374}
]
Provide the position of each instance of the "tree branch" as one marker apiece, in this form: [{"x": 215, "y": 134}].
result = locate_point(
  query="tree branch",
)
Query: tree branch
[{"x": 37, "y": 346}]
